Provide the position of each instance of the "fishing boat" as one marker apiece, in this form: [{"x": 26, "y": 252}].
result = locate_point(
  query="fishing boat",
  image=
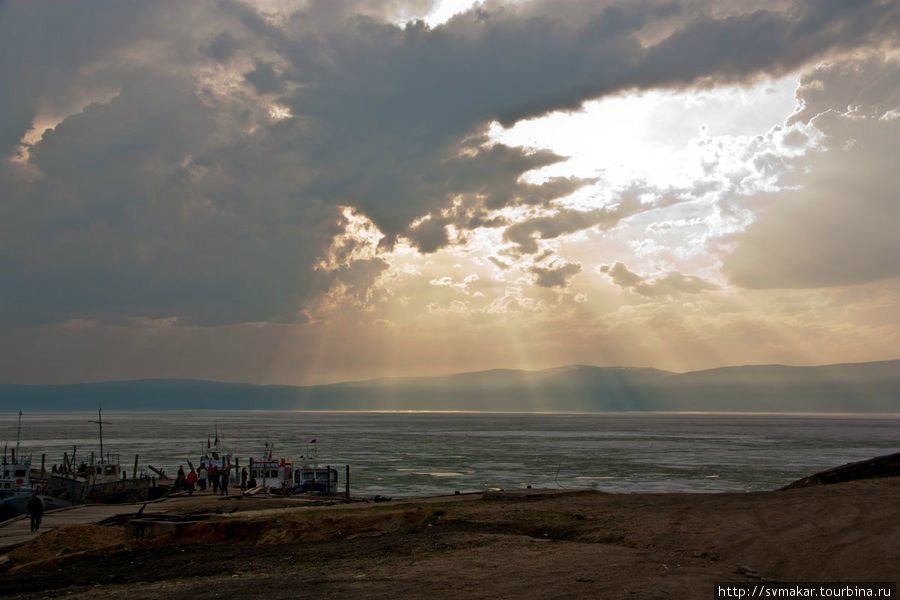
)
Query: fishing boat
[
  {"x": 100, "y": 479},
  {"x": 14, "y": 498},
  {"x": 18, "y": 483},
  {"x": 215, "y": 457},
  {"x": 313, "y": 477},
  {"x": 316, "y": 479},
  {"x": 270, "y": 473}
]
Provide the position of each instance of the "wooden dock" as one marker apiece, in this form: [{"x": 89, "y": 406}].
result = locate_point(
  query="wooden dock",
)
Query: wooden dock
[{"x": 18, "y": 530}]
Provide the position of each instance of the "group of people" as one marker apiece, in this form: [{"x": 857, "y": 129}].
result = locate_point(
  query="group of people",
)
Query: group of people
[{"x": 215, "y": 478}]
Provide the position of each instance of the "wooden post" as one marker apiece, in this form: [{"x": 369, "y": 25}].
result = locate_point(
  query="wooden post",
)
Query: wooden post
[
  {"x": 43, "y": 466},
  {"x": 134, "y": 473},
  {"x": 347, "y": 482}
]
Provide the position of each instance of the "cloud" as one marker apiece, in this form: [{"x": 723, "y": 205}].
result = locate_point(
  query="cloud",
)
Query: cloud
[
  {"x": 865, "y": 88},
  {"x": 670, "y": 285},
  {"x": 503, "y": 266},
  {"x": 557, "y": 275},
  {"x": 620, "y": 275},
  {"x": 525, "y": 234},
  {"x": 167, "y": 189},
  {"x": 429, "y": 235},
  {"x": 840, "y": 227}
]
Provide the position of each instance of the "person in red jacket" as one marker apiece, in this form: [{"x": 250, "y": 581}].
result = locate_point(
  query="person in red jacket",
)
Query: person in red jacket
[{"x": 191, "y": 480}]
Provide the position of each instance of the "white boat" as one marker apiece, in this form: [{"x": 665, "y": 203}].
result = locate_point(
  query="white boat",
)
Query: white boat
[
  {"x": 17, "y": 484},
  {"x": 316, "y": 479},
  {"x": 216, "y": 456},
  {"x": 270, "y": 473},
  {"x": 313, "y": 477}
]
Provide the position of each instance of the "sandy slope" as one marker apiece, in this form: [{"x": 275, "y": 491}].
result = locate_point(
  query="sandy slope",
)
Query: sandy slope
[{"x": 528, "y": 544}]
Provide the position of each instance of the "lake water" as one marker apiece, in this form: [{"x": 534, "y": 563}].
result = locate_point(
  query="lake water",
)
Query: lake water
[{"x": 415, "y": 454}]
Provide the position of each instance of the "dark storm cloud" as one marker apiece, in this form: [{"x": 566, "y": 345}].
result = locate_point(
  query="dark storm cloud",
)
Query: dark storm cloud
[
  {"x": 177, "y": 198},
  {"x": 398, "y": 103}
]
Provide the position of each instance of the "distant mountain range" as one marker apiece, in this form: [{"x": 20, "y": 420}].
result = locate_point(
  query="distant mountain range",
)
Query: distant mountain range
[{"x": 857, "y": 387}]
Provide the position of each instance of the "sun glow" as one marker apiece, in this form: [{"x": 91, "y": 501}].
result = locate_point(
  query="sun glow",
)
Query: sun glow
[{"x": 686, "y": 154}]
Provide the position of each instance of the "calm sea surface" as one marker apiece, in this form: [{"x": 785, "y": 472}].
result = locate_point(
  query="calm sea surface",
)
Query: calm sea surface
[{"x": 414, "y": 454}]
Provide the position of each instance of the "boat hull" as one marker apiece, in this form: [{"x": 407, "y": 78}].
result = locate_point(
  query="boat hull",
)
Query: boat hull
[{"x": 13, "y": 506}]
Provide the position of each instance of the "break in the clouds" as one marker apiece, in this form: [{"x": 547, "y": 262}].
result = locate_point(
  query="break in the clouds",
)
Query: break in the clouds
[
  {"x": 300, "y": 162},
  {"x": 840, "y": 225}
]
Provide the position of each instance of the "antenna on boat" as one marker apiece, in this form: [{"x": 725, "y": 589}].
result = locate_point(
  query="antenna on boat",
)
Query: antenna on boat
[{"x": 99, "y": 423}]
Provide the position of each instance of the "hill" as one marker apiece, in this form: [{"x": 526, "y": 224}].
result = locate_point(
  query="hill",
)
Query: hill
[{"x": 857, "y": 387}]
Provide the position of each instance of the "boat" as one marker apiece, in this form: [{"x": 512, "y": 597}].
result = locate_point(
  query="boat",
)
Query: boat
[
  {"x": 216, "y": 456},
  {"x": 270, "y": 473},
  {"x": 101, "y": 479},
  {"x": 18, "y": 482},
  {"x": 316, "y": 479},
  {"x": 312, "y": 477}
]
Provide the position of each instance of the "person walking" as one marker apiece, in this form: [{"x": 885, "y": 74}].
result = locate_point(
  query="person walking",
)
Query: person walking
[
  {"x": 35, "y": 508},
  {"x": 244, "y": 479},
  {"x": 223, "y": 482},
  {"x": 214, "y": 478},
  {"x": 201, "y": 478}
]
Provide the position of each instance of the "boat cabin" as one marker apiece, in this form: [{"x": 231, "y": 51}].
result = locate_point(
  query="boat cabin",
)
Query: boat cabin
[
  {"x": 271, "y": 473},
  {"x": 322, "y": 480},
  {"x": 104, "y": 472},
  {"x": 14, "y": 476}
]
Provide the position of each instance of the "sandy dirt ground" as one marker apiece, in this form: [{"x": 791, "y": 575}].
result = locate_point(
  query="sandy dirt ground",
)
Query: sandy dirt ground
[{"x": 522, "y": 544}]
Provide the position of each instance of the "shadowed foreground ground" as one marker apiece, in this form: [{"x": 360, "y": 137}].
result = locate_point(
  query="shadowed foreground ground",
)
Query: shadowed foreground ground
[{"x": 525, "y": 544}]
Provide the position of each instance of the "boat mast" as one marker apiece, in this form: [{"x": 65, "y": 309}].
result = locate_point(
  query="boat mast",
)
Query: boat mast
[
  {"x": 99, "y": 423},
  {"x": 18, "y": 434}
]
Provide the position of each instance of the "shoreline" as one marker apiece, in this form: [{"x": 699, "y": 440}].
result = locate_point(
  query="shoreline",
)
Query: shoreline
[
  {"x": 694, "y": 413},
  {"x": 480, "y": 545}
]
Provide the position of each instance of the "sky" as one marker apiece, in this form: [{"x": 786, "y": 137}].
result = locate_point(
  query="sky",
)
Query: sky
[{"x": 302, "y": 192}]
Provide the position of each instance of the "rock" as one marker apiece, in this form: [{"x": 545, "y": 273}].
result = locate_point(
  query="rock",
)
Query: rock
[{"x": 880, "y": 466}]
